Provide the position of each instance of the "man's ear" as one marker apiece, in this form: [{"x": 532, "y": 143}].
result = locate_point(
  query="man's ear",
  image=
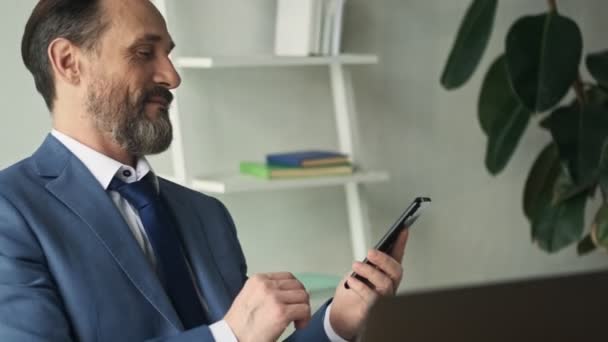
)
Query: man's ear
[{"x": 64, "y": 59}]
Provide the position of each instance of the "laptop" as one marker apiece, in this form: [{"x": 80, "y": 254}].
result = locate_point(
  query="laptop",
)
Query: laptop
[{"x": 563, "y": 308}]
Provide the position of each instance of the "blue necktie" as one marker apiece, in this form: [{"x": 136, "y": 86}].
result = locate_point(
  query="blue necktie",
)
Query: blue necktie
[{"x": 171, "y": 261}]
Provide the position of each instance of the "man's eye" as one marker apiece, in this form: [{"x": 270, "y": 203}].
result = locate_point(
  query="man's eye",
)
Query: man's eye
[{"x": 144, "y": 53}]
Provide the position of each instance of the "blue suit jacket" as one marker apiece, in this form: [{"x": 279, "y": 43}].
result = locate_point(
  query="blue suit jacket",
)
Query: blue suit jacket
[{"x": 71, "y": 270}]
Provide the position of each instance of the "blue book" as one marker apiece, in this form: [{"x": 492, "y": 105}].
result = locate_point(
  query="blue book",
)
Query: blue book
[{"x": 307, "y": 159}]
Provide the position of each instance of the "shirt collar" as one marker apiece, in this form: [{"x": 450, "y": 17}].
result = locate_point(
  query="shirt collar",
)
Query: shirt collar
[{"x": 103, "y": 167}]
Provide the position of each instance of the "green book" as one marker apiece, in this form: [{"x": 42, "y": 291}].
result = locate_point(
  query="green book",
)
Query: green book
[{"x": 266, "y": 171}]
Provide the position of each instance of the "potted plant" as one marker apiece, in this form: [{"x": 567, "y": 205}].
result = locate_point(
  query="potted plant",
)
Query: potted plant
[{"x": 530, "y": 82}]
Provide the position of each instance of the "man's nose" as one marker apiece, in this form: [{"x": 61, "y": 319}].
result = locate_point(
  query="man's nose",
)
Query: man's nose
[{"x": 166, "y": 74}]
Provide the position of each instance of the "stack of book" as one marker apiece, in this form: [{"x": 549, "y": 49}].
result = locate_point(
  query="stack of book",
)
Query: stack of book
[
  {"x": 308, "y": 27},
  {"x": 299, "y": 164}
]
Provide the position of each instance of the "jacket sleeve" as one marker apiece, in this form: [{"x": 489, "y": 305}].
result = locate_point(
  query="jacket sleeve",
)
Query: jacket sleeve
[
  {"x": 198, "y": 334},
  {"x": 30, "y": 307},
  {"x": 314, "y": 331}
]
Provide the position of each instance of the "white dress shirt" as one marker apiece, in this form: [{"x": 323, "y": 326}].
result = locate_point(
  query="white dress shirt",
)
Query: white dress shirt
[{"x": 104, "y": 169}]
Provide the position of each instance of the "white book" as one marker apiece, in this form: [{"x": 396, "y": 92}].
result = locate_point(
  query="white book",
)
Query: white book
[{"x": 297, "y": 27}]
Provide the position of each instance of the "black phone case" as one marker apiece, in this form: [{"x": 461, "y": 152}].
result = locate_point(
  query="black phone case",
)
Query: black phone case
[{"x": 405, "y": 221}]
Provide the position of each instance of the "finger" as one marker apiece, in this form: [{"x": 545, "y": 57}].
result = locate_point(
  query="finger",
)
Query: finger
[
  {"x": 399, "y": 247},
  {"x": 380, "y": 281},
  {"x": 387, "y": 264},
  {"x": 362, "y": 290},
  {"x": 280, "y": 275},
  {"x": 289, "y": 284},
  {"x": 299, "y": 314},
  {"x": 299, "y": 324},
  {"x": 294, "y": 297}
]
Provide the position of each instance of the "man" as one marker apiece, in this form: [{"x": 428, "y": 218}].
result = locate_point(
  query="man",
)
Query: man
[{"x": 95, "y": 247}]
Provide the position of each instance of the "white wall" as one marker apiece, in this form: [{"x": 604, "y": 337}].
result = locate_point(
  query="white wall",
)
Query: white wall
[
  {"x": 431, "y": 140},
  {"x": 427, "y": 138},
  {"x": 25, "y": 119}
]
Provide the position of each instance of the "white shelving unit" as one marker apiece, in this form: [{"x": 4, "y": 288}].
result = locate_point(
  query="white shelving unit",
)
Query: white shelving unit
[
  {"x": 269, "y": 61},
  {"x": 235, "y": 183},
  {"x": 346, "y": 127}
]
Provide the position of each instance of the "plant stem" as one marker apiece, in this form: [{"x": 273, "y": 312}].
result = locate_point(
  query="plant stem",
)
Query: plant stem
[
  {"x": 552, "y": 5},
  {"x": 579, "y": 89}
]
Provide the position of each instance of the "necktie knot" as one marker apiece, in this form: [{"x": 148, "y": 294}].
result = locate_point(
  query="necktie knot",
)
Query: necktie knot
[{"x": 140, "y": 193}]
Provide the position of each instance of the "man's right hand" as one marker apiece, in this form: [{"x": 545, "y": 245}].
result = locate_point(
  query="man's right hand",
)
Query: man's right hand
[{"x": 266, "y": 305}]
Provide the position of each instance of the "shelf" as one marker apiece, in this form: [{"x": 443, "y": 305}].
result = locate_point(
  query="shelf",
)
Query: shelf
[
  {"x": 234, "y": 183},
  {"x": 317, "y": 282},
  {"x": 270, "y": 60}
]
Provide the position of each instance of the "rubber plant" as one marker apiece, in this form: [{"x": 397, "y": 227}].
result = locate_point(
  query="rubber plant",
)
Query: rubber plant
[{"x": 530, "y": 83}]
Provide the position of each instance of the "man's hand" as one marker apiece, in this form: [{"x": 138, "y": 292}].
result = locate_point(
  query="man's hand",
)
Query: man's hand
[
  {"x": 266, "y": 305},
  {"x": 350, "y": 306}
]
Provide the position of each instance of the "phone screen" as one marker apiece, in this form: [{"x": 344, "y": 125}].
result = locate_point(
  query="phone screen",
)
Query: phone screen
[{"x": 405, "y": 221}]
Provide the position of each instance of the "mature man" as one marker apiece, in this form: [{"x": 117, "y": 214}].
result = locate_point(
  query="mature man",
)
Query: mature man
[{"x": 94, "y": 246}]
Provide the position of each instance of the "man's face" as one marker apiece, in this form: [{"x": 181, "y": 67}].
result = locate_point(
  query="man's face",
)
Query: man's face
[{"x": 129, "y": 77}]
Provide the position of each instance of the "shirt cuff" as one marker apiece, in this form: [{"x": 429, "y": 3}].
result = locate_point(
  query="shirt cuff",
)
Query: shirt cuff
[
  {"x": 333, "y": 336},
  {"x": 221, "y": 332}
]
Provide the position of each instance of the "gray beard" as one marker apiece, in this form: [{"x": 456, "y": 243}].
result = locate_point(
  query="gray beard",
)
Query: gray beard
[{"x": 124, "y": 119}]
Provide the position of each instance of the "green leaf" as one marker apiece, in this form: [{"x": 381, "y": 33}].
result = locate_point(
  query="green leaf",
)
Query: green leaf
[
  {"x": 597, "y": 64},
  {"x": 592, "y": 136},
  {"x": 597, "y": 95},
  {"x": 565, "y": 188},
  {"x": 496, "y": 98},
  {"x": 559, "y": 225},
  {"x": 504, "y": 137},
  {"x": 543, "y": 55},
  {"x": 585, "y": 246},
  {"x": 599, "y": 230},
  {"x": 538, "y": 191},
  {"x": 553, "y": 203},
  {"x": 470, "y": 44},
  {"x": 564, "y": 126},
  {"x": 580, "y": 137},
  {"x": 502, "y": 117},
  {"x": 603, "y": 170}
]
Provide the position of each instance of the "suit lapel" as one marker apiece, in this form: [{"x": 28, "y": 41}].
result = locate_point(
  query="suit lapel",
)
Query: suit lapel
[
  {"x": 198, "y": 250},
  {"x": 75, "y": 186}
]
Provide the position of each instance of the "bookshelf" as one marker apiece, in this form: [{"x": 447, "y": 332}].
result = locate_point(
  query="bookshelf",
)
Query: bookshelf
[
  {"x": 235, "y": 183},
  {"x": 270, "y": 61},
  {"x": 345, "y": 113}
]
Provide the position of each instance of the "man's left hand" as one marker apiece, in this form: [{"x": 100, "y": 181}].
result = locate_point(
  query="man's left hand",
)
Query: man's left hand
[{"x": 350, "y": 306}]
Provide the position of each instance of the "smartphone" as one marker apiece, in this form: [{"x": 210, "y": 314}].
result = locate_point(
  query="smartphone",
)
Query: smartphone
[{"x": 405, "y": 221}]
